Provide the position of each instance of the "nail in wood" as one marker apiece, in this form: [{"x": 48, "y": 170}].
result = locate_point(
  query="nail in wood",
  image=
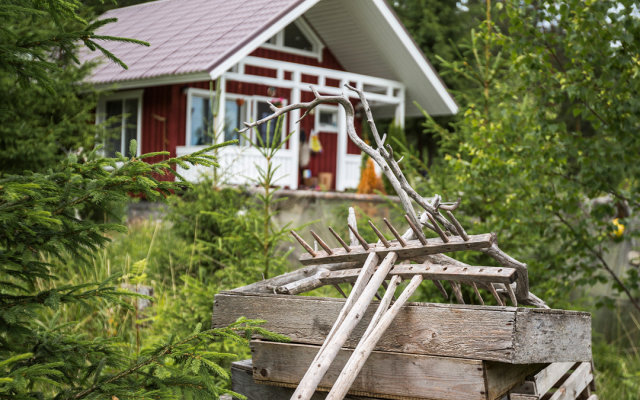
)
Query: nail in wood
[
  {"x": 363, "y": 242},
  {"x": 393, "y": 230},
  {"x": 459, "y": 228},
  {"x": 339, "y": 239},
  {"x": 492, "y": 289},
  {"x": 379, "y": 234},
  {"x": 477, "y": 292},
  {"x": 437, "y": 228},
  {"x": 455, "y": 286},
  {"x": 512, "y": 295},
  {"x": 304, "y": 244},
  {"x": 321, "y": 242},
  {"x": 415, "y": 229}
]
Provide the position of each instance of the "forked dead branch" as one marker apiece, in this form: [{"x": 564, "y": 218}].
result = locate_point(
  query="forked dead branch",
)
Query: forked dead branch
[{"x": 446, "y": 226}]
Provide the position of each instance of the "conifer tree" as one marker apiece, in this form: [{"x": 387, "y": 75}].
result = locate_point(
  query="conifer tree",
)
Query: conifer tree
[{"x": 42, "y": 204}]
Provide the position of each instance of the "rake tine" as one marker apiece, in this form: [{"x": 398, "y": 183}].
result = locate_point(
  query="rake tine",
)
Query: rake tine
[
  {"x": 512, "y": 295},
  {"x": 475, "y": 289},
  {"x": 441, "y": 289},
  {"x": 384, "y": 240},
  {"x": 455, "y": 286},
  {"x": 321, "y": 242},
  {"x": 492, "y": 289},
  {"x": 339, "y": 239},
  {"x": 437, "y": 228},
  {"x": 363, "y": 242},
  {"x": 459, "y": 228},
  {"x": 417, "y": 231},
  {"x": 304, "y": 244},
  {"x": 339, "y": 289},
  {"x": 393, "y": 230}
]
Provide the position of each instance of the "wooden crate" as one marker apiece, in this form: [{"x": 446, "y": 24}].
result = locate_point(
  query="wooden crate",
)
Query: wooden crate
[
  {"x": 504, "y": 334},
  {"x": 242, "y": 382},
  {"x": 393, "y": 375},
  {"x": 559, "y": 381}
]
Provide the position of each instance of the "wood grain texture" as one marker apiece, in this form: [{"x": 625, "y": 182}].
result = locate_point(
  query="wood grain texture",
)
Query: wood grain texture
[
  {"x": 242, "y": 382},
  {"x": 575, "y": 384},
  {"x": 551, "y": 336},
  {"x": 500, "y": 377},
  {"x": 433, "y": 272},
  {"x": 387, "y": 375},
  {"x": 466, "y": 331},
  {"x": 413, "y": 249}
]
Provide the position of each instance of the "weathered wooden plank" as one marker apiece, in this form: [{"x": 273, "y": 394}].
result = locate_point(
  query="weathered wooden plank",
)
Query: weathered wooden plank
[
  {"x": 541, "y": 335},
  {"x": 385, "y": 374},
  {"x": 575, "y": 384},
  {"x": 548, "y": 377},
  {"x": 467, "y": 331},
  {"x": 242, "y": 382},
  {"x": 268, "y": 285},
  {"x": 519, "y": 396},
  {"x": 593, "y": 397},
  {"x": 473, "y": 332},
  {"x": 413, "y": 249},
  {"x": 433, "y": 272},
  {"x": 500, "y": 377}
]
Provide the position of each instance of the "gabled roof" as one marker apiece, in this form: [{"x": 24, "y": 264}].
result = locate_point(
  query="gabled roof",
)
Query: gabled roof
[{"x": 207, "y": 37}]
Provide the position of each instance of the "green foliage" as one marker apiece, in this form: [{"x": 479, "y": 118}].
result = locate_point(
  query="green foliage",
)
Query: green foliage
[{"x": 550, "y": 189}]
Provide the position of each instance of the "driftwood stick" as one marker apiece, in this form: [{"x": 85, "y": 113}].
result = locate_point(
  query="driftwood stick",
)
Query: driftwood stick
[
  {"x": 332, "y": 345},
  {"x": 455, "y": 287},
  {"x": 367, "y": 344},
  {"x": 477, "y": 292},
  {"x": 321, "y": 242},
  {"x": 304, "y": 285},
  {"x": 303, "y": 244},
  {"x": 379, "y": 234},
  {"x": 363, "y": 242},
  {"x": 384, "y": 304},
  {"x": 395, "y": 233},
  {"x": 351, "y": 220},
  {"x": 361, "y": 282},
  {"x": 339, "y": 239}
]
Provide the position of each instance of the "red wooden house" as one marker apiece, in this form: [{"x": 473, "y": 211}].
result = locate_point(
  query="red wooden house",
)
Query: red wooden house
[{"x": 260, "y": 50}]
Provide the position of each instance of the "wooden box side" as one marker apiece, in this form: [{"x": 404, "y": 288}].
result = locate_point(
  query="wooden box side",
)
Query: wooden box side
[
  {"x": 384, "y": 375},
  {"x": 548, "y": 336},
  {"x": 484, "y": 333}
]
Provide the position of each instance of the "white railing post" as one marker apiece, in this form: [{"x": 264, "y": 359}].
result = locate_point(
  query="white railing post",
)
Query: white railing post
[
  {"x": 342, "y": 147},
  {"x": 294, "y": 142}
]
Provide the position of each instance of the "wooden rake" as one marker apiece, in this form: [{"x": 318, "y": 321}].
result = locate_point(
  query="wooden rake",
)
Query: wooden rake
[{"x": 380, "y": 262}]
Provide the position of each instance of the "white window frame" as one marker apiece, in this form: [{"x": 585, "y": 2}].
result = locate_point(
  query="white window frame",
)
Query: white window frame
[
  {"x": 200, "y": 93},
  {"x": 319, "y": 126},
  {"x": 311, "y": 36},
  {"x": 254, "y": 116},
  {"x": 247, "y": 110},
  {"x": 102, "y": 113}
]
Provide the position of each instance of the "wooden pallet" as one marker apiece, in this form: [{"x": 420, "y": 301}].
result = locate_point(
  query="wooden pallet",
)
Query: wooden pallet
[
  {"x": 559, "y": 381},
  {"x": 392, "y": 375},
  {"x": 504, "y": 334}
]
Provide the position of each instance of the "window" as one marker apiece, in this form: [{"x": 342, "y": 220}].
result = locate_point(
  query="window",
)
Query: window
[
  {"x": 235, "y": 113},
  {"x": 268, "y": 135},
  {"x": 298, "y": 38},
  {"x": 327, "y": 119},
  {"x": 122, "y": 114},
  {"x": 200, "y": 119}
]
